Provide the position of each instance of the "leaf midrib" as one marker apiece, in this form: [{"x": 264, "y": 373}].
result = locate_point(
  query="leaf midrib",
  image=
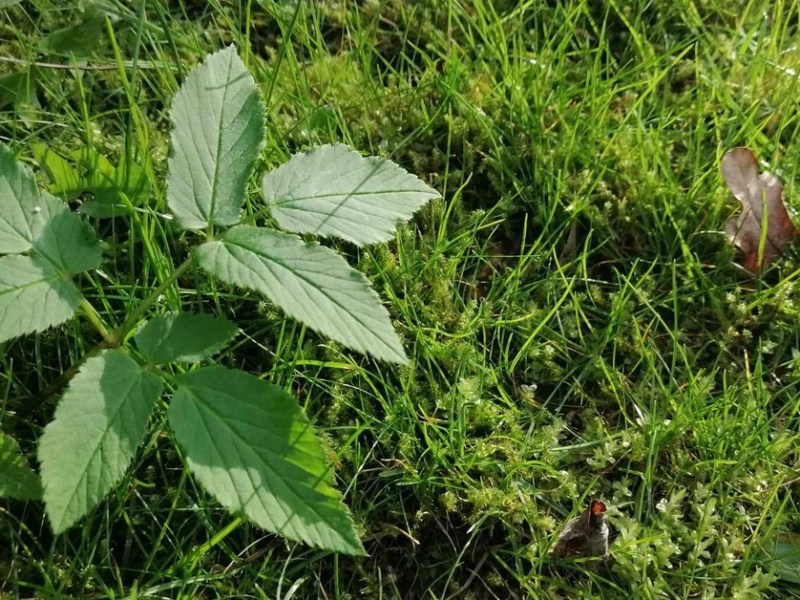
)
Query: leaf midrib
[
  {"x": 291, "y": 198},
  {"x": 212, "y": 208},
  {"x": 323, "y": 290},
  {"x": 21, "y": 288},
  {"x": 266, "y": 464},
  {"x": 110, "y": 422}
]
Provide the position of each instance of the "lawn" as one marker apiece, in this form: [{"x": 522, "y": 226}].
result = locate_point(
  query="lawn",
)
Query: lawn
[{"x": 577, "y": 323}]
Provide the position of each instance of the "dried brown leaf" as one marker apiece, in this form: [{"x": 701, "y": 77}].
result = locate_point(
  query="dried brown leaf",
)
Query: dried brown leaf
[{"x": 757, "y": 193}]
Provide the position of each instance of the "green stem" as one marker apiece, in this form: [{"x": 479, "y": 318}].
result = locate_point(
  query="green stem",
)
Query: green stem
[
  {"x": 95, "y": 320},
  {"x": 190, "y": 560},
  {"x": 133, "y": 319},
  {"x": 110, "y": 339}
]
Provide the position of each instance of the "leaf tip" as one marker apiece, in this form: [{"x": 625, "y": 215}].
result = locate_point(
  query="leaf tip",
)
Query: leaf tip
[{"x": 398, "y": 357}]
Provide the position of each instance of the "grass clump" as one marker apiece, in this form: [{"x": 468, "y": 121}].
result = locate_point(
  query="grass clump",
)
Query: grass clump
[{"x": 574, "y": 319}]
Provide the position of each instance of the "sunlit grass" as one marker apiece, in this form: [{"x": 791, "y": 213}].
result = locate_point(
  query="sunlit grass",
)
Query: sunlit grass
[{"x": 576, "y": 322}]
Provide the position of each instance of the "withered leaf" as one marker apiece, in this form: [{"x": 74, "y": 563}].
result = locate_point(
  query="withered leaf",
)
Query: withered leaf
[
  {"x": 757, "y": 193},
  {"x": 586, "y": 535}
]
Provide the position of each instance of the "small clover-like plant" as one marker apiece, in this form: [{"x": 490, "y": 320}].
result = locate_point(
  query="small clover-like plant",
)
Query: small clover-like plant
[{"x": 245, "y": 440}]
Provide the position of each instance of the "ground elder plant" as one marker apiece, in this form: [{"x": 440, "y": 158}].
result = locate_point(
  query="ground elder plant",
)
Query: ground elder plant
[{"x": 245, "y": 440}]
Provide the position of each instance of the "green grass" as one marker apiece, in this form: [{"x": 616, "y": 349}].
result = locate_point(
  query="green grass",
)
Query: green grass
[{"x": 576, "y": 322}]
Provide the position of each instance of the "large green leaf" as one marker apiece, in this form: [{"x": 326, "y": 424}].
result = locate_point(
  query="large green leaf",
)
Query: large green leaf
[
  {"x": 69, "y": 244},
  {"x": 183, "y": 337},
  {"x": 23, "y": 210},
  {"x": 334, "y": 191},
  {"x": 33, "y": 296},
  {"x": 217, "y": 132},
  {"x": 17, "y": 479},
  {"x": 251, "y": 447},
  {"x": 311, "y": 283},
  {"x": 97, "y": 427}
]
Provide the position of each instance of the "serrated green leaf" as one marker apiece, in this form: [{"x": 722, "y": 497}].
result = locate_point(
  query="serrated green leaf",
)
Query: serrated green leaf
[
  {"x": 23, "y": 210},
  {"x": 310, "y": 282},
  {"x": 33, "y": 296},
  {"x": 217, "y": 133},
  {"x": 183, "y": 337},
  {"x": 17, "y": 479},
  {"x": 334, "y": 191},
  {"x": 248, "y": 443},
  {"x": 98, "y": 424},
  {"x": 69, "y": 244}
]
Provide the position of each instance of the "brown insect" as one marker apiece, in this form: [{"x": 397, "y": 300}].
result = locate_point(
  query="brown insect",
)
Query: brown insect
[{"x": 586, "y": 535}]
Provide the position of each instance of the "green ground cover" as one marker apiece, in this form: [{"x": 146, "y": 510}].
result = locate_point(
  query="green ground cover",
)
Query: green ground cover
[{"x": 575, "y": 320}]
